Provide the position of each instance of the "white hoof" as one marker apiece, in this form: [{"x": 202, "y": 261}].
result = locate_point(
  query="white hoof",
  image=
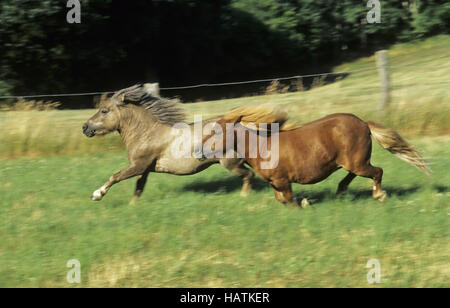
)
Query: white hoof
[
  {"x": 97, "y": 195},
  {"x": 134, "y": 200},
  {"x": 305, "y": 203},
  {"x": 381, "y": 196},
  {"x": 244, "y": 193}
]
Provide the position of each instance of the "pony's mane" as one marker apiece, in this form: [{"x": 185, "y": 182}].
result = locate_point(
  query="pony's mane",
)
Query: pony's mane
[
  {"x": 267, "y": 114},
  {"x": 165, "y": 110}
]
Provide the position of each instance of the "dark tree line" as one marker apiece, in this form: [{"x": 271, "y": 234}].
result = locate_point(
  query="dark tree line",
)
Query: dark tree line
[{"x": 179, "y": 42}]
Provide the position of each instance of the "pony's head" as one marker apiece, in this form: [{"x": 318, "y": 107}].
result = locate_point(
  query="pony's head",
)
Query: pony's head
[
  {"x": 105, "y": 121},
  {"x": 108, "y": 117}
]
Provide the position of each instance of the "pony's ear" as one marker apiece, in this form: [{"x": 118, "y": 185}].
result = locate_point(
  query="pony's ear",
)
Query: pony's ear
[
  {"x": 119, "y": 99},
  {"x": 130, "y": 94}
]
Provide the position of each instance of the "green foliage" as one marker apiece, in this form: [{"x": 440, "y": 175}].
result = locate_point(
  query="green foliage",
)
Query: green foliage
[
  {"x": 41, "y": 51},
  {"x": 4, "y": 88},
  {"x": 183, "y": 42},
  {"x": 432, "y": 17},
  {"x": 318, "y": 26}
]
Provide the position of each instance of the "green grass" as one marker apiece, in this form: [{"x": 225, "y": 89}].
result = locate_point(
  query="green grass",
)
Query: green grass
[
  {"x": 419, "y": 106},
  {"x": 196, "y": 231}
]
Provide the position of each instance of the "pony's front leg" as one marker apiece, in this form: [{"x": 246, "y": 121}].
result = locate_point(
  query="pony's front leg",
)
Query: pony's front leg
[{"x": 124, "y": 174}]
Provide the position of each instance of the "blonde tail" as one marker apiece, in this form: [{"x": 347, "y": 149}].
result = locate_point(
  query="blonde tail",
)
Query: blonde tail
[{"x": 394, "y": 143}]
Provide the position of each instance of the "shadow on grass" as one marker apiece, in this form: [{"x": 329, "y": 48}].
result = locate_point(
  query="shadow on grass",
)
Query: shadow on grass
[
  {"x": 441, "y": 188},
  {"x": 322, "y": 195},
  {"x": 228, "y": 185},
  {"x": 391, "y": 191},
  {"x": 224, "y": 185}
]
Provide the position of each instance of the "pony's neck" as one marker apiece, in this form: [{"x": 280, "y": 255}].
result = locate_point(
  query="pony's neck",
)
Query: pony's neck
[
  {"x": 137, "y": 125},
  {"x": 252, "y": 143}
]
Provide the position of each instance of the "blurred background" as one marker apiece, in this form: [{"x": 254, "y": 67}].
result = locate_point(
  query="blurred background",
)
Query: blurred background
[
  {"x": 185, "y": 42},
  {"x": 309, "y": 57}
]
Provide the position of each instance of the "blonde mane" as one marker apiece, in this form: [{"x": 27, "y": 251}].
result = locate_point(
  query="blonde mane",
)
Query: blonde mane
[{"x": 267, "y": 114}]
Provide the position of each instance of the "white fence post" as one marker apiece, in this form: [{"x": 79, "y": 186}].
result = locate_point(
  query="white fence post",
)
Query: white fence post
[
  {"x": 385, "y": 79},
  {"x": 152, "y": 88}
]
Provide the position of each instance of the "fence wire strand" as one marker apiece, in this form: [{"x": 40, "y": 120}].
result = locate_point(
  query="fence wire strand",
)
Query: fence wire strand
[{"x": 205, "y": 85}]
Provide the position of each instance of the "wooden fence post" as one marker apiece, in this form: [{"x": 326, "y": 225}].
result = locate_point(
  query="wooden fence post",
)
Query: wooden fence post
[
  {"x": 152, "y": 88},
  {"x": 383, "y": 72}
]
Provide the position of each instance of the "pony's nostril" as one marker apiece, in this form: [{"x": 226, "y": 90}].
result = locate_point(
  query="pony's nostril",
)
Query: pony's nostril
[{"x": 85, "y": 127}]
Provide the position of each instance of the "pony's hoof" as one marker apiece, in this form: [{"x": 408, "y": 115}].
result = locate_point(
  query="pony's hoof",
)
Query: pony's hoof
[
  {"x": 97, "y": 195},
  {"x": 305, "y": 203},
  {"x": 293, "y": 205},
  {"x": 381, "y": 196},
  {"x": 244, "y": 193},
  {"x": 134, "y": 201},
  {"x": 341, "y": 193}
]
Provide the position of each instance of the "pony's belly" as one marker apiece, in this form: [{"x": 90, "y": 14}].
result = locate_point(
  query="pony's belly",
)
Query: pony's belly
[
  {"x": 183, "y": 166},
  {"x": 304, "y": 171},
  {"x": 314, "y": 175}
]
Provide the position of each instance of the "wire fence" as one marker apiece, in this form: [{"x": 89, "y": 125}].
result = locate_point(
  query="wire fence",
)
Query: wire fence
[
  {"x": 206, "y": 85},
  {"x": 203, "y": 85}
]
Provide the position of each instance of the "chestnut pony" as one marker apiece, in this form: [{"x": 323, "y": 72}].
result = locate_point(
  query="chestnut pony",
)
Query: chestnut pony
[{"x": 312, "y": 152}]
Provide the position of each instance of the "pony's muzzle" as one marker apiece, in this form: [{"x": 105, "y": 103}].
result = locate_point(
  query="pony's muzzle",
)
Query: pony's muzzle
[{"x": 87, "y": 131}]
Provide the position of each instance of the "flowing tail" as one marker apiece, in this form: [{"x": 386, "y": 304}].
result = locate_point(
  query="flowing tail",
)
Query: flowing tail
[{"x": 394, "y": 143}]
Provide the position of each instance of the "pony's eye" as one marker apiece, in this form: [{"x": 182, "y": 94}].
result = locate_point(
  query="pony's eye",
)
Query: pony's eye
[{"x": 104, "y": 111}]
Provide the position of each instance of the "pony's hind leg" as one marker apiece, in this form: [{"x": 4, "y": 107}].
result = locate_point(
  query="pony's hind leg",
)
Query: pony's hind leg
[
  {"x": 376, "y": 174},
  {"x": 239, "y": 169},
  {"x": 343, "y": 185}
]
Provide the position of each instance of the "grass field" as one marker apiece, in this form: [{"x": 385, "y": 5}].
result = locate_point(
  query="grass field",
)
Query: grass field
[{"x": 196, "y": 231}]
